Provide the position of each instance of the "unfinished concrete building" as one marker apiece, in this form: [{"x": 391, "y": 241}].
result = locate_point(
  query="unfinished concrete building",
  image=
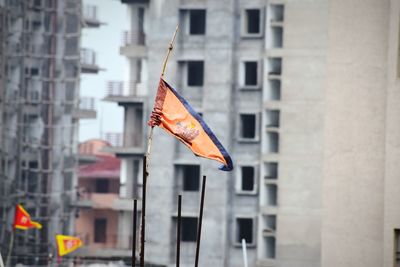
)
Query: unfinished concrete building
[
  {"x": 304, "y": 95},
  {"x": 41, "y": 63},
  {"x": 100, "y": 203}
]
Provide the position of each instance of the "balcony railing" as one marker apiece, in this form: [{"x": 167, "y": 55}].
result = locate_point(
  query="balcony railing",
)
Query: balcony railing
[
  {"x": 115, "y": 139},
  {"x": 110, "y": 241},
  {"x": 90, "y": 12},
  {"x": 87, "y": 103},
  {"x": 133, "y": 138},
  {"x": 128, "y": 139},
  {"x": 86, "y": 194},
  {"x": 115, "y": 88},
  {"x": 133, "y": 38},
  {"x": 120, "y": 88},
  {"x": 88, "y": 56}
]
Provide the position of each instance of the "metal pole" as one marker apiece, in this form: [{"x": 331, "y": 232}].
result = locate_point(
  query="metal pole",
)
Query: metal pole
[
  {"x": 244, "y": 248},
  {"x": 10, "y": 248},
  {"x": 1, "y": 261},
  {"x": 203, "y": 189},
  {"x": 178, "y": 231},
  {"x": 134, "y": 232},
  {"x": 143, "y": 230}
]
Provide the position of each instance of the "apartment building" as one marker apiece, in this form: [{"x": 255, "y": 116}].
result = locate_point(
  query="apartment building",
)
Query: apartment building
[
  {"x": 100, "y": 205},
  {"x": 304, "y": 95},
  {"x": 41, "y": 63}
]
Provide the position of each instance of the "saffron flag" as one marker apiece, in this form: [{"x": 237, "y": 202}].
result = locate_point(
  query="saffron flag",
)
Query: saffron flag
[
  {"x": 67, "y": 244},
  {"x": 22, "y": 219},
  {"x": 174, "y": 114}
]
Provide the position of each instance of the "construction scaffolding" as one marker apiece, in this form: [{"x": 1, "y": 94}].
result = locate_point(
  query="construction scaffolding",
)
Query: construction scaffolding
[{"x": 40, "y": 66}]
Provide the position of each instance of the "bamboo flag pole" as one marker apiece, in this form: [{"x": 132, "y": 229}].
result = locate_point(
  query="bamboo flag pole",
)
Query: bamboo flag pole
[
  {"x": 146, "y": 160},
  {"x": 150, "y": 134}
]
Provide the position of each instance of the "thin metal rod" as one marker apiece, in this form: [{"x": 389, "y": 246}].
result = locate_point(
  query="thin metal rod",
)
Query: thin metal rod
[
  {"x": 142, "y": 236},
  {"x": 244, "y": 249},
  {"x": 203, "y": 189},
  {"x": 178, "y": 231},
  {"x": 134, "y": 232}
]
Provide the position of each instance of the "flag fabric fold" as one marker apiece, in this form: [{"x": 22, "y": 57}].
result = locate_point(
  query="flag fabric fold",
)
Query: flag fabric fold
[
  {"x": 22, "y": 219},
  {"x": 175, "y": 115},
  {"x": 67, "y": 244}
]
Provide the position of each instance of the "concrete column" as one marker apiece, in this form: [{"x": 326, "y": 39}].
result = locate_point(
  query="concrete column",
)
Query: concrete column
[{"x": 354, "y": 144}]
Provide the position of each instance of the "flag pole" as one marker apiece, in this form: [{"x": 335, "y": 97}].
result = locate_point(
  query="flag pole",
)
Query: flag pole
[
  {"x": 10, "y": 247},
  {"x": 178, "y": 231},
  {"x": 134, "y": 232},
  {"x": 1, "y": 261},
  {"x": 203, "y": 189},
  {"x": 150, "y": 134},
  {"x": 244, "y": 249},
  {"x": 146, "y": 160}
]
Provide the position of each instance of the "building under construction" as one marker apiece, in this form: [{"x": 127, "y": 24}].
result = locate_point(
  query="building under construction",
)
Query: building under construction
[{"x": 40, "y": 66}]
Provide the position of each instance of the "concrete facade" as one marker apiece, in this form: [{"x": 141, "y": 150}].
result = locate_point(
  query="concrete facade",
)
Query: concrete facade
[
  {"x": 40, "y": 108},
  {"x": 324, "y": 150}
]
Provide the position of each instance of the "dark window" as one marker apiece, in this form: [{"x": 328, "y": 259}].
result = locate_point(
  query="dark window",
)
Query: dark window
[
  {"x": 195, "y": 73},
  {"x": 197, "y": 22},
  {"x": 100, "y": 227},
  {"x": 141, "y": 35},
  {"x": 252, "y": 21},
  {"x": 102, "y": 186},
  {"x": 36, "y": 24},
  {"x": 248, "y": 126},
  {"x": 32, "y": 71},
  {"x": 271, "y": 170},
  {"x": 270, "y": 245},
  {"x": 189, "y": 229},
  {"x": 138, "y": 71},
  {"x": 191, "y": 177},
  {"x": 250, "y": 71},
  {"x": 37, "y": 3},
  {"x": 271, "y": 195},
  {"x": 247, "y": 178},
  {"x": 245, "y": 230}
]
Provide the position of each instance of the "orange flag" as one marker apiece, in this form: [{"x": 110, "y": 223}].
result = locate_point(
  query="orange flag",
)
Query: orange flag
[
  {"x": 174, "y": 114},
  {"x": 67, "y": 244},
  {"x": 22, "y": 219}
]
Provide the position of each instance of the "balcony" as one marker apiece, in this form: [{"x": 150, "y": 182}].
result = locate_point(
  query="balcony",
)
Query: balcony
[
  {"x": 127, "y": 144},
  {"x": 88, "y": 61},
  {"x": 135, "y": 1},
  {"x": 86, "y": 109},
  {"x": 105, "y": 201},
  {"x": 112, "y": 246},
  {"x": 90, "y": 19},
  {"x": 133, "y": 44},
  {"x": 126, "y": 93}
]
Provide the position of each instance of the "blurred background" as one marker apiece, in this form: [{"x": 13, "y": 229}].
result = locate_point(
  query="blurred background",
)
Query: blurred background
[{"x": 304, "y": 95}]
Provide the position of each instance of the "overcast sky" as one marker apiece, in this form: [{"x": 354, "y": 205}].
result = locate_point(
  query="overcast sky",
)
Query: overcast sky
[{"x": 106, "y": 41}]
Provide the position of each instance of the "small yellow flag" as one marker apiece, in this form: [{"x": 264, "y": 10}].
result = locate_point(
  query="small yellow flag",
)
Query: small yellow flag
[{"x": 67, "y": 244}]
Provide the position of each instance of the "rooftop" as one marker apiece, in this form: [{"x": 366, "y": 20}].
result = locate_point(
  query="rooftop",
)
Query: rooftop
[{"x": 105, "y": 167}]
